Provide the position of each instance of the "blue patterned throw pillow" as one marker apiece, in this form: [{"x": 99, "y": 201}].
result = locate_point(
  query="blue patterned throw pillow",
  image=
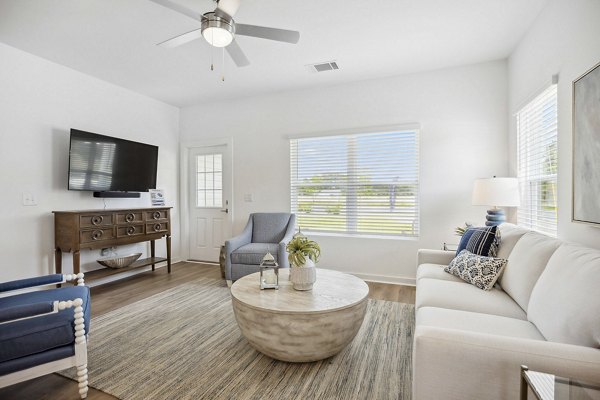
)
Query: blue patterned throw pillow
[
  {"x": 483, "y": 241},
  {"x": 480, "y": 271}
]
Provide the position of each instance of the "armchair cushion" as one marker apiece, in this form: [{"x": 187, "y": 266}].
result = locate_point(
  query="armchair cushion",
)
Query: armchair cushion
[
  {"x": 253, "y": 253},
  {"x": 269, "y": 227},
  {"x": 35, "y": 335},
  {"x": 19, "y": 364}
]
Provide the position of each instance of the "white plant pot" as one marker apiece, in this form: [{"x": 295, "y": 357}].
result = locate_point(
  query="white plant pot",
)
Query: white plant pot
[{"x": 303, "y": 277}]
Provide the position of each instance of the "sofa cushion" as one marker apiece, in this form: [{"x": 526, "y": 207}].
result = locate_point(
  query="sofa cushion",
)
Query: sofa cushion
[
  {"x": 483, "y": 241},
  {"x": 510, "y": 234},
  {"x": 480, "y": 271},
  {"x": 525, "y": 265},
  {"x": 564, "y": 304},
  {"x": 436, "y": 271},
  {"x": 253, "y": 253},
  {"x": 35, "y": 335},
  {"x": 465, "y": 297},
  {"x": 477, "y": 322},
  {"x": 269, "y": 227}
]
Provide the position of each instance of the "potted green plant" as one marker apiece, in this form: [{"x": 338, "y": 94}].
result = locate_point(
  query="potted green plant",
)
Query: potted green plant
[{"x": 303, "y": 253}]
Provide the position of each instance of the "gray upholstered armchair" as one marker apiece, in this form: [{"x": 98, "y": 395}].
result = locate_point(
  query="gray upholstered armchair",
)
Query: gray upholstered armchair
[{"x": 264, "y": 233}]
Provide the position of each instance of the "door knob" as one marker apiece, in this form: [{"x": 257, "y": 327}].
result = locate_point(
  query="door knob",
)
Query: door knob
[{"x": 225, "y": 210}]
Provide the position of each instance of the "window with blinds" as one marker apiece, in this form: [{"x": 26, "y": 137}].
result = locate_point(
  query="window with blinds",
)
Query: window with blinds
[
  {"x": 538, "y": 162},
  {"x": 358, "y": 184}
]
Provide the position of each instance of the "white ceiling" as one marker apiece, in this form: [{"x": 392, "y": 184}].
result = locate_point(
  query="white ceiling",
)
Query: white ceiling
[{"x": 115, "y": 40}]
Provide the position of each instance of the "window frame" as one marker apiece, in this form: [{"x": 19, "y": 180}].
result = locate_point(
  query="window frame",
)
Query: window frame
[
  {"x": 359, "y": 132},
  {"x": 532, "y": 200}
]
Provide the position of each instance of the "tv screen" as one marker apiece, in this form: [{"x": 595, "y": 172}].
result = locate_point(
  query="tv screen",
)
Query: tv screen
[{"x": 107, "y": 164}]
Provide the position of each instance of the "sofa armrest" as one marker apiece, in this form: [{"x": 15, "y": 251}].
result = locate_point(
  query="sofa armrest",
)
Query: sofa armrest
[
  {"x": 41, "y": 281},
  {"x": 26, "y": 311},
  {"x": 235, "y": 243},
  {"x": 282, "y": 254},
  {"x": 454, "y": 364},
  {"x": 429, "y": 256}
]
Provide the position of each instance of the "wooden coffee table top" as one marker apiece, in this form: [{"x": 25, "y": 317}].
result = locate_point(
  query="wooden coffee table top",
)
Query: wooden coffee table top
[{"x": 332, "y": 291}]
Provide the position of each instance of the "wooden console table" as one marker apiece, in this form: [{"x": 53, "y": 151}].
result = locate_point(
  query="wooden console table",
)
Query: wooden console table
[{"x": 97, "y": 229}]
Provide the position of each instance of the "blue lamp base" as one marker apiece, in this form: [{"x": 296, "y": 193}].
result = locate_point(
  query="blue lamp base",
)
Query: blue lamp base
[{"x": 494, "y": 217}]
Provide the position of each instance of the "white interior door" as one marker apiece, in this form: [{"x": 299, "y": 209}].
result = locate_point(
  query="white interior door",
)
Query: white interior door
[{"x": 209, "y": 200}]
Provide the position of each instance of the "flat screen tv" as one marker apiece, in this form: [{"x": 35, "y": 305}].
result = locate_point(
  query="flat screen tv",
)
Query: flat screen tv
[{"x": 107, "y": 164}]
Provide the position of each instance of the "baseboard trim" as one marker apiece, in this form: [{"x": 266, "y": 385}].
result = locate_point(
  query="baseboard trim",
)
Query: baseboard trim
[{"x": 393, "y": 280}]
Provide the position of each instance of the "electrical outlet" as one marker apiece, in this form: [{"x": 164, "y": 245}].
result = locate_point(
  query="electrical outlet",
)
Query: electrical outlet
[
  {"x": 29, "y": 199},
  {"x": 248, "y": 197}
]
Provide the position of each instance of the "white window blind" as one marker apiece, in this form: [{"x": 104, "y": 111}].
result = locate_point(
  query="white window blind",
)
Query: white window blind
[
  {"x": 538, "y": 162},
  {"x": 358, "y": 184}
]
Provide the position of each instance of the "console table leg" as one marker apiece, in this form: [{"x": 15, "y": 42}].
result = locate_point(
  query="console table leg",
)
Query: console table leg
[
  {"x": 76, "y": 262},
  {"x": 58, "y": 260},
  {"x": 153, "y": 252},
  {"x": 169, "y": 253}
]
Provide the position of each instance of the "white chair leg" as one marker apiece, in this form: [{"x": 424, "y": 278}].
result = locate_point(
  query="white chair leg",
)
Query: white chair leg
[
  {"x": 229, "y": 283},
  {"x": 82, "y": 378}
]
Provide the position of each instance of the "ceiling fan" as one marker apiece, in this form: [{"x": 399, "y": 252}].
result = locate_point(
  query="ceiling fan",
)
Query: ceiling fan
[{"x": 219, "y": 29}]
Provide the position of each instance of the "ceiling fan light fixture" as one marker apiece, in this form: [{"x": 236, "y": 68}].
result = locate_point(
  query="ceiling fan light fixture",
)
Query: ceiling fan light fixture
[{"x": 217, "y": 31}]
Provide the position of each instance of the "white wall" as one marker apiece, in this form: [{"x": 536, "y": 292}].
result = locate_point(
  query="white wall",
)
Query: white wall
[
  {"x": 39, "y": 102},
  {"x": 462, "y": 112},
  {"x": 565, "y": 39}
]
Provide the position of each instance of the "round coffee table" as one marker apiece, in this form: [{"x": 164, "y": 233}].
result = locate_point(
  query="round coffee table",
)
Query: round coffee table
[{"x": 300, "y": 326}]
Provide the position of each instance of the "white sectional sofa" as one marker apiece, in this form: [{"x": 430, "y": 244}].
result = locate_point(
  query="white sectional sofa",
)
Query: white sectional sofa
[{"x": 544, "y": 313}]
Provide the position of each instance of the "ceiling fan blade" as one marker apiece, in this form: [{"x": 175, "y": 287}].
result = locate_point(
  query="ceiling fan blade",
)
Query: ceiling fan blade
[
  {"x": 280, "y": 35},
  {"x": 236, "y": 53},
  {"x": 229, "y": 7},
  {"x": 179, "y": 8},
  {"x": 182, "y": 39}
]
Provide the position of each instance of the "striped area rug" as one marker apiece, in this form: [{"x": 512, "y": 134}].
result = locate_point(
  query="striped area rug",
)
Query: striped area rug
[{"x": 184, "y": 343}]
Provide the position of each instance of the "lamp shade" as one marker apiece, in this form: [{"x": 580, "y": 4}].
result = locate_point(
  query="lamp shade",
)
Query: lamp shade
[{"x": 498, "y": 192}]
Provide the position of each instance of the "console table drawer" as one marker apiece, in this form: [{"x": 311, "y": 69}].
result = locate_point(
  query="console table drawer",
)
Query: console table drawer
[
  {"x": 96, "y": 235},
  {"x": 130, "y": 230},
  {"x": 130, "y": 218},
  {"x": 157, "y": 215},
  {"x": 93, "y": 220},
  {"x": 157, "y": 227}
]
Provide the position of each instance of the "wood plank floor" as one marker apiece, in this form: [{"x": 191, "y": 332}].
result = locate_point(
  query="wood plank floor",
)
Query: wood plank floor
[{"x": 118, "y": 294}]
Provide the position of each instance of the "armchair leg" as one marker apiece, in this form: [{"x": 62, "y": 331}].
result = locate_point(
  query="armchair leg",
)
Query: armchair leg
[{"x": 82, "y": 378}]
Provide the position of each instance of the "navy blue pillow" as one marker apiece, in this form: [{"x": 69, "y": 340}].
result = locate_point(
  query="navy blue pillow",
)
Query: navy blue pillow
[{"x": 483, "y": 241}]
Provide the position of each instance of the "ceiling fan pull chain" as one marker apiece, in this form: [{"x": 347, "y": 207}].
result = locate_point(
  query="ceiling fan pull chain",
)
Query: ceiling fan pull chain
[
  {"x": 212, "y": 64},
  {"x": 223, "y": 65}
]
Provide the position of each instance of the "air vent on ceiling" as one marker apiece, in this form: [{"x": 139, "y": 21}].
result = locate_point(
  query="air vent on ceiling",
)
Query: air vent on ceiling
[{"x": 322, "y": 67}]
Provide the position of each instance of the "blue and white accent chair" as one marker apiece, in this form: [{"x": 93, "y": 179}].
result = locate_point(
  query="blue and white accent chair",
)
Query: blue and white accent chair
[
  {"x": 264, "y": 233},
  {"x": 44, "y": 331}
]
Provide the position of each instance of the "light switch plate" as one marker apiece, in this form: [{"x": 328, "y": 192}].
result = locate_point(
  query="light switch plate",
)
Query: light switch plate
[
  {"x": 29, "y": 199},
  {"x": 248, "y": 197}
]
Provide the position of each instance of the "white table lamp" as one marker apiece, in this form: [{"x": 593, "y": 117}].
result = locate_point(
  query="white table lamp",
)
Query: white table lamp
[{"x": 496, "y": 192}]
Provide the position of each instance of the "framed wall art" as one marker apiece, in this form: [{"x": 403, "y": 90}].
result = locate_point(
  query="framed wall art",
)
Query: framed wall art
[{"x": 586, "y": 147}]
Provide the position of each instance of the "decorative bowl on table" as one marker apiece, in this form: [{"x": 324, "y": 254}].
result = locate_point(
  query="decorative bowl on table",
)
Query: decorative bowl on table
[{"x": 119, "y": 262}]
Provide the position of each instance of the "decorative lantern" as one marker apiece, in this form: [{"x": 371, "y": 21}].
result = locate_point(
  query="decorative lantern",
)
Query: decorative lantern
[{"x": 269, "y": 272}]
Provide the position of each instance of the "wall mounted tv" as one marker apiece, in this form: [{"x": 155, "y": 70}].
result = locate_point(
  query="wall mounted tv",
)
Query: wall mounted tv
[{"x": 109, "y": 166}]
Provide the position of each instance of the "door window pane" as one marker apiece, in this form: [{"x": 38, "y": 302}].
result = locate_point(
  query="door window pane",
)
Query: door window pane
[{"x": 209, "y": 180}]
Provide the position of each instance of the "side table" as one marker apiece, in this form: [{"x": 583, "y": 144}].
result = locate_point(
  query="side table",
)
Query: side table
[{"x": 551, "y": 387}]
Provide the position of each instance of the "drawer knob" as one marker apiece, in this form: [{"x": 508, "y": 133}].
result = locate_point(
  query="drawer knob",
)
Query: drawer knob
[
  {"x": 129, "y": 217},
  {"x": 97, "y": 219},
  {"x": 131, "y": 230},
  {"x": 97, "y": 234},
  {"x": 156, "y": 215},
  {"x": 156, "y": 227}
]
